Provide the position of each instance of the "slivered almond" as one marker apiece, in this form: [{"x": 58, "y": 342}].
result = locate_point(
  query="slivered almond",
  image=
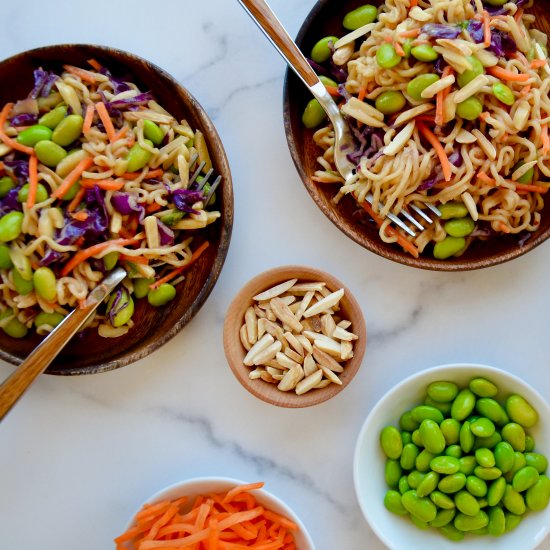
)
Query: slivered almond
[
  {"x": 300, "y": 289},
  {"x": 405, "y": 116},
  {"x": 464, "y": 136},
  {"x": 354, "y": 35},
  {"x": 251, "y": 325},
  {"x": 309, "y": 382},
  {"x": 309, "y": 366},
  {"x": 291, "y": 378},
  {"x": 331, "y": 347},
  {"x": 304, "y": 304},
  {"x": 244, "y": 338},
  {"x": 470, "y": 204},
  {"x": 328, "y": 325},
  {"x": 345, "y": 324},
  {"x": 261, "y": 327},
  {"x": 330, "y": 375},
  {"x": 273, "y": 363},
  {"x": 285, "y": 361},
  {"x": 343, "y": 54},
  {"x": 257, "y": 348},
  {"x": 323, "y": 384},
  {"x": 294, "y": 343},
  {"x": 276, "y": 373},
  {"x": 289, "y": 352},
  {"x": 266, "y": 377},
  {"x": 363, "y": 112},
  {"x": 283, "y": 313},
  {"x": 487, "y": 147},
  {"x": 431, "y": 90},
  {"x": 274, "y": 291},
  {"x": 256, "y": 373},
  {"x": 341, "y": 334},
  {"x": 308, "y": 348},
  {"x": 268, "y": 353},
  {"x": 400, "y": 140},
  {"x": 473, "y": 87},
  {"x": 346, "y": 350},
  {"x": 275, "y": 330},
  {"x": 326, "y": 360},
  {"x": 326, "y": 303},
  {"x": 260, "y": 313}
]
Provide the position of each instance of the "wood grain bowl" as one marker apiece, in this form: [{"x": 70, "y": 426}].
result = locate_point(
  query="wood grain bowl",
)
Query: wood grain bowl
[
  {"x": 88, "y": 353},
  {"x": 324, "y": 20},
  {"x": 235, "y": 352}
]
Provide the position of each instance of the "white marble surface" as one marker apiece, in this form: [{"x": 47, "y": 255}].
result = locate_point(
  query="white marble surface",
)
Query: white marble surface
[{"x": 78, "y": 455}]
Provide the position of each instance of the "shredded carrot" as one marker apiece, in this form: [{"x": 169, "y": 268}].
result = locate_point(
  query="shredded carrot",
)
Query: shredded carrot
[
  {"x": 525, "y": 90},
  {"x": 401, "y": 239},
  {"x": 121, "y": 133},
  {"x": 388, "y": 38},
  {"x": 503, "y": 74},
  {"x": 399, "y": 49},
  {"x": 142, "y": 260},
  {"x": 545, "y": 139},
  {"x": 410, "y": 34},
  {"x": 175, "y": 272},
  {"x": 530, "y": 188},
  {"x": 503, "y": 227},
  {"x": 72, "y": 177},
  {"x": 537, "y": 63},
  {"x": 107, "y": 185},
  {"x": 212, "y": 523},
  {"x": 95, "y": 64},
  {"x": 486, "y": 29},
  {"x": 362, "y": 93},
  {"x": 81, "y": 216},
  {"x": 83, "y": 74},
  {"x": 413, "y": 4},
  {"x": 84, "y": 254},
  {"x": 76, "y": 200},
  {"x": 485, "y": 178},
  {"x": 483, "y": 116},
  {"x": 33, "y": 181},
  {"x": 435, "y": 143},
  {"x": 156, "y": 173},
  {"x": 153, "y": 207},
  {"x": 333, "y": 91},
  {"x": 440, "y": 98},
  {"x": 420, "y": 42},
  {"x": 88, "y": 118},
  {"x": 518, "y": 15},
  {"x": 106, "y": 119},
  {"x": 5, "y": 138}
]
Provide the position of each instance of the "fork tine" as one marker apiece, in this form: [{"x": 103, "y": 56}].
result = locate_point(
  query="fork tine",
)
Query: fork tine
[
  {"x": 204, "y": 181},
  {"x": 421, "y": 213},
  {"x": 434, "y": 209},
  {"x": 196, "y": 173},
  {"x": 369, "y": 198},
  {"x": 415, "y": 222},
  {"x": 213, "y": 187}
]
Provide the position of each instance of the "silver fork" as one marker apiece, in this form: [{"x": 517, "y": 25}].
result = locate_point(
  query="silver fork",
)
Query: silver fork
[
  {"x": 262, "y": 15},
  {"x": 197, "y": 169}
]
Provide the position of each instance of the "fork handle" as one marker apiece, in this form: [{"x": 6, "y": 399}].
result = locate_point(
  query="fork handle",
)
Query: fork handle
[{"x": 267, "y": 21}]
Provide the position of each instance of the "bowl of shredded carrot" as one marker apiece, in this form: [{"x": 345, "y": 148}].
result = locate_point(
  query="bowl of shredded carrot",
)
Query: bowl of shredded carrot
[
  {"x": 105, "y": 161},
  {"x": 216, "y": 513}
]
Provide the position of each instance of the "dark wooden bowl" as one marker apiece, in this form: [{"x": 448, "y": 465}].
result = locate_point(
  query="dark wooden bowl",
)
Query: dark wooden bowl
[
  {"x": 88, "y": 353},
  {"x": 325, "y": 19}
]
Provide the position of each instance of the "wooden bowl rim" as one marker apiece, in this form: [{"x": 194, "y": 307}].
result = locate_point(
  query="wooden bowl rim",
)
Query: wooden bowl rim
[
  {"x": 234, "y": 351},
  {"x": 192, "y": 105},
  {"x": 388, "y": 251}
]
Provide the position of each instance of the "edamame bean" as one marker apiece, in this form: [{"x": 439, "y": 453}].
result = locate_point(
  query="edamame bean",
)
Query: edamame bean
[
  {"x": 471, "y": 523},
  {"x": 52, "y": 118},
  {"x": 416, "y": 439},
  {"x": 459, "y": 227},
  {"x": 403, "y": 485},
  {"x": 110, "y": 260},
  {"x": 454, "y": 451},
  {"x": 51, "y": 319},
  {"x": 497, "y": 522},
  {"x": 431, "y": 435},
  {"x": 321, "y": 50},
  {"x": 512, "y": 521},
  {"x": 419, "y": 523},
  {"x": 390, "y": 102},
  {"x": 418, "y": 84},
  {"x": 450, "y": 210},
  {"x": 153, "y": 132},
  {"x": 487, "y": 474},
  {"x": 422, "y": 508},
  {"x": 496, "y": 491},
  {"x": 6, "y": 185},
  {"x": 392, "y": 472},
  {"x": 363, "y": 15},
  {"x": 443, "y": 517},
  {"x": 442, "y": 392},
  {"x": 22, "y": 286},
  {"x": 386, "y": 56},
  {"x": 469, "y": 74},
  {"x": 424, "y": 52},
  {"x": 452, "y": 483},
  {"x": 496, "y": 2},
  {"x": 463, "y": 405},
  {"x": 5, "y": 260},
  {"x": 138, "y": 157},
  {"x": 476, "y": 487},
  {"x": 519, "y": 462},
  {"x": 423, "y": 460},
  {"x": 406, "y": 437},
  {"x": 525, "y": 478},
  {"x": 68, "y": 130},
  {"x": 392, "y": 502},
  {"x": 488, "y": 442},
  {"x": 41, "y": 193},
  {"x": 452, "y": 533},
  {"x": 10, "y": 226},
  {"x": 314, "y": 115},
  {"x": 511, "y": 432},
  {"x": 141, "y": 287},
  {"x": 391, "y": 442},
  {"x": 482, "y": 428},
  {"x": 482, "y": 387},
  {"x": 172, "y": 217},
  {"x": 445, "y": 465},
  {"x": 538, "y": 496},
  {"x": 49, "y": 153},
  {"x": 470, "y": 108},
  {"x": 485, "y": 458},
  {"x": 328, "y": 81},
  {"x": 529, "y": 443},
  {"x": 503, "y": 93},
  {"x": 466, "y": 503},
  {"x": 450, "y": 428},
  {"x": 467, "y": 464},
  {"x": 407, "y": 46},
  {"x": 520, "y": 411},
  {"x": 45, "y": 283},
  {"x": 14, "y": 327},
  {"x": 408, "y": 456},
  {"x": 33, "y": 134},
  {"x": 513, "y": 501},
  {"x": 537, "y": 461},
  {"x": 423, "y": 412},
  {"x": 124, "y": 308},
  {"x": 448, "y": 247},
  {"x": 441, "y": 500},
  {"x": 492, "y": 410},
  {"x": 407, "y": 422},
  {"x": 428, "y": 484},
  {"x": 414, "y": 479},
  {"x": 445, "y": 408},
  {"x": 161, "y": 295},
  {"x": 466, "y": 437}
]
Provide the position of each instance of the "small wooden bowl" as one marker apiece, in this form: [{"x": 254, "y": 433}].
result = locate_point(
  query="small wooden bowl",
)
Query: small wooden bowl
[
  {"x": 324, "y": 20},
  {"x": 235, "y": 352},
  {"x": 87, "y": 352}
]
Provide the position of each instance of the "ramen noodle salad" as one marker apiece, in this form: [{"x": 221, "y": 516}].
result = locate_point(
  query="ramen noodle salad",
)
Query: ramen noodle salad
[
  {"x": 95, "y": 174},
  {"x": 448, "y": 103}
]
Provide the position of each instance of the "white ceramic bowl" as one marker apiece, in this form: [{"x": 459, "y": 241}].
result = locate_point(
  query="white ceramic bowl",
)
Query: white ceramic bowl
[
  {"x": 202, "y": 485},
  {"x": 368, "y": 469}
]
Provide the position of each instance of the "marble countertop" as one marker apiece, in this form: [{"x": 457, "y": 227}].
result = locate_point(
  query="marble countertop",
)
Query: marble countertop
[{"x": 78, "y": 455}]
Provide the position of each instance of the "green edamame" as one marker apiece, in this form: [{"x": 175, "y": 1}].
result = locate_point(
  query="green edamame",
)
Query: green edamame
[
  {"x": 467, "y": 503},
  {"x": 110, "y": 260},
  {"x": 513, "y": 501},
  {"x": 124, "y": 308},
  {"x": 482, "y": 427},
  {"x": 467, "y": 464},
  {"x": 406, "y": 437},
  {"x": 512, "y": 521},
  {"x": 470, "y": 108},
  {"x": 14, "y": 327},
  {"x": 41, "y": 193},
  {"x": 44, "y": 281},
  {"x": 141, "y": 287},
  {"x": 459, "y": 227},
  {"x": 503, "y": 93},
  {"x": 408, "y": 456},
  {"x": 314, "y": 115},
  {"x": 22, "y": 286},
  {"x": 487, "y": 473},
  {"x": 452, "y": 483},
  {"x": 538, "y": 496},
  {"x": 153, "y": 132},
  {"x": 442, "y": 392},
  {"x": 431, "y": 436},
  {"x": 363, "y": 15},
  {"x": 537, "y": 461},
  {"x": 492, "y": 410},
  {"x": 497, "y": 522},
  {"x": 443, "y": 518},
  {"x": 452, "y": 533},
  {"x": 496, "y": 491},
  {"x": 321, "y": 50},
  {"x": 476, "y": 487},
  {"x": 469, "y": 74},
  {"x": 5, "y": 260},
  {"x": 422, "y": 508},
  {"x": 520, "y": 411},
  {"x": 10, "y": 226},
  {"x": 450, "y": 428},
  {"x": 482, "y": 387},
  {"x": 424, "y": 52},
  {"x": 488, "y": 442},
  {"x": 391, "y": 442},
  {"x": 485, "y": 458},
  {"x": 423, "y": 412},
  {"x": 51, "y": 319},
  {"x": 6, "y": 185},
  {"x": 161, "y": 295},
  {"x": 529, "y": 443},
  {"x": 386, "y": 56},
  {"x": 414, "y": 479},
  {"x": 448, "y": 247},
  {"x": 403, "y": 485},
  {"x": 416, "y": 439},
  {"x": 328, "y": 81},
  {"x": 423, "y": 460},
  {"x": 418, "y": 84},
  {"x": 464, "y": 522},
  {"x": 519, "y": 462},
  {"x": 68, "y": 130},
  {"x": 455, "y": 451},
  {"x": 33, "y": 134},
  {"x": 441, "y": 500},
  {"x": 428, "y": 484},
  {"x": 467, "y": 438},
  {"x": 138, "y": 157},
  {"x": 392, "y": 471},
  {"x": 392, "y": 501},
  {"x": 407, "y": 422},
  {"x": 463, "y": 405},
  {"x": 390, "y": 102},
  {"x": 52, "y": 118},
  {"x": 49, "y": 153},
  {"x": 511, "y": 432},
  {"x": 445, "y": 465},
  {"x": 525, "y": 478}
]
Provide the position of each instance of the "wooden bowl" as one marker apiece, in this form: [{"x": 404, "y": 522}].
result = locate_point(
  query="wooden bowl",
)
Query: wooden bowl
[
  {"x": 87, "y": 352},
  {"x": 324, "y": 20},
  {"x": 235, "y": 352}
]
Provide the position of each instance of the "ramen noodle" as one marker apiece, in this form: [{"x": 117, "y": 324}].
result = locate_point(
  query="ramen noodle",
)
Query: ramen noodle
[{"x": 95, "y": 174}]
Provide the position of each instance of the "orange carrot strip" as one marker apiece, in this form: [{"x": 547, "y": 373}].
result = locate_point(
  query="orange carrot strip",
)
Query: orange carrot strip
[
  {"x": 531, "y": 188},
  {"x": 108, "y": 185},
  {"x": 486, "y": 29},
  {"x": 72, "y": 177},
  {"x": 153, "y": 207},
  {"x": 537, "y": 63},
  {"x": 88, "y": 118},
  {"x": 435, "y": 143},
  {"x": 485, "y": 178},
  {"x": 518, "y": 15},
  {"x": 388, "y": 38},
  {"x": 362, "y": 93},
  {"x": 161, "y": 522},
  {"x": 281, "y": 520},
  {"x": 503, "y": 227},
  {"x": 106, "y": 119},
  {"x": 410, "y": 34},
  {"x": 121, "y": 133},
  {"x": 5, "y": 138},
  {"x": 174, "y": 273},
  {"x": 545, "y": 139},
  {"x": 333, "y": 91},
  {"x": 83, "y": 74},
  {"x": 525, "y": 90},
  {"x": 483, "y": 116},
  {"x": 413, "y": 4},
  {"x": 439, "y": 104},
  {"x": 95, "y": 64},
  {"x": 83, "y": 255},
  {"x": 151, "y": 174},
  {"x": 420, "y": 42},
  {"x": 399, "y": 49},
  {"x": 503, "y": 74},
  {"x": 241, "y": 489},
  {"x": 81, "y": 216},
  {"x": 135, "y": 259},
  {"x": 76, "y": 200},
  {"x": 33, "y": 180},
  {"x": 213, "y": 537}
]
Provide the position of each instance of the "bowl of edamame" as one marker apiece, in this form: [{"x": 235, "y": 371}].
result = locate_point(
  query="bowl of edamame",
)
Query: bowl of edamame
[
  {"x": 456, "y": 454},
  {"x": 381, "y": 62},
  {"x": 106, "y": 160}
]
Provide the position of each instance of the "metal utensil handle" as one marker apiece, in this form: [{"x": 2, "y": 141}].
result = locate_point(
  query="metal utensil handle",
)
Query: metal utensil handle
[
  {"x": 37, "y": 362},
  {"x": 267, "y": 21}
]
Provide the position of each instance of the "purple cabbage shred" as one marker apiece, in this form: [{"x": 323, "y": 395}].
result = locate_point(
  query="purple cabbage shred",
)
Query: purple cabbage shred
[
  {"x": 165, "y": 233},
  {"x": 184, "y": 199},
  {"x": 502, "y": 44},
  {"x": 43, "y": 83},
  {"x": 24, "y": 119},
  {"x": 438, "y": 30},
  {"x": 19, "y": 169},
  {"x": 140, "y": 99},
  {"x": 126, "y": 203}
]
